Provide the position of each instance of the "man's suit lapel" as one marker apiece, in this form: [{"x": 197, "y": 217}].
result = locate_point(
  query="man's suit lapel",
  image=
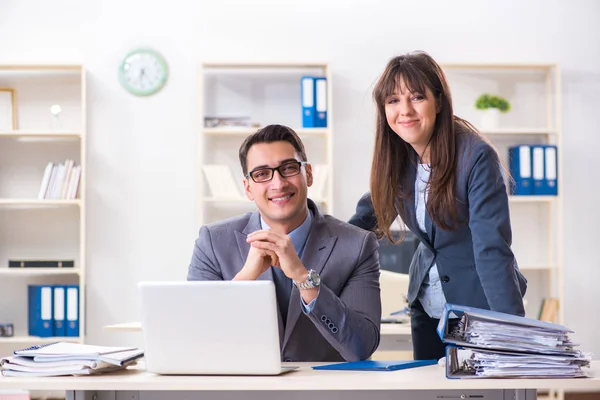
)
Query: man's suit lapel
[
  {"x": 244, "y": 248},
  {"x": 316, "y": 252}
]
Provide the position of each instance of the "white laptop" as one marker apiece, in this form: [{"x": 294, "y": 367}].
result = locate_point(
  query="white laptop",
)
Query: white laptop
[{"x": 211, "y": 328}]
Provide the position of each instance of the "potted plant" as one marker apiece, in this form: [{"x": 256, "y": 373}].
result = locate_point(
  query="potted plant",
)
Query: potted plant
[{"x": 491, "y": 107}]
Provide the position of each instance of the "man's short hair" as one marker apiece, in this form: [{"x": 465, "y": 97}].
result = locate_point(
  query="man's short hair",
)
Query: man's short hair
[{"x": 269, "y": 134}]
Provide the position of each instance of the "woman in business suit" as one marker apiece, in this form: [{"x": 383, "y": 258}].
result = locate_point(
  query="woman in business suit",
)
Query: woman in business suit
[{"x": 444, "y": 180}]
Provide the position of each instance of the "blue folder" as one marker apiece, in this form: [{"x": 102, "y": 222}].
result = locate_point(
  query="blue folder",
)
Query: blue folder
[
  {"x": 369, "y": 365},
  {"x": 307, "y": 98},
  {"x": 520, "y": 169},
  {"x": 39, "y": 303}
]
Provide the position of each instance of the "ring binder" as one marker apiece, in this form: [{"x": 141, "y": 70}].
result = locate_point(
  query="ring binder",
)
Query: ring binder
[{"x": 35, "y": 347}]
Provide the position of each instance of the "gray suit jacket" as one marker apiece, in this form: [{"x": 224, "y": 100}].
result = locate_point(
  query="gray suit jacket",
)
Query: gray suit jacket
[
  {"x": 475, "y": 261},
  {"x": 344, "y": 323}
]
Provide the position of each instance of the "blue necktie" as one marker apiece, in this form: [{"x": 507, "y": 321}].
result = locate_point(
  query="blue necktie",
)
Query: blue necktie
[{"x": 283, "y": 291}]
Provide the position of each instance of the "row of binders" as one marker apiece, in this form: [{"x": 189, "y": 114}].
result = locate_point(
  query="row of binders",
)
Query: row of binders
[
  {"x": 63, "y": 358},
  {"x": 313, "y": 92},
  {"x": 488, "y": 344},
  {"x": 53, "y": 310},
  {"x": 534, "y": 169},
  {"x": 60, "y": 181}
]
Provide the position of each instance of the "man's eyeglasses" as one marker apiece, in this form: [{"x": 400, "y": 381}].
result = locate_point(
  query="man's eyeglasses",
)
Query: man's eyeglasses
[{"x": 286, "y": 170}]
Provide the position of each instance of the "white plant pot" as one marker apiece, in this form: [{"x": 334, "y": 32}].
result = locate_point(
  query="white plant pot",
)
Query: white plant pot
[{"x": 489, "y": 119}]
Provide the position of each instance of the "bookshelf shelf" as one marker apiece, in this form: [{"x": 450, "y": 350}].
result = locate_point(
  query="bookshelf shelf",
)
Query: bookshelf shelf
[
  {"x": 4, "y": 271},
  {"x": 245, "y": 131},
  {"x": 518, "y": 131},
  {"x": 40, "y": 134},
  {"x": 41, "y": 68},
  {"x": 261, "y": 65},
  {"x": 37, "y": 340},
  {"x": 532, "y": 199},
  {"x": 499, "y": 66},
  {"x": 39, "y": 203}
]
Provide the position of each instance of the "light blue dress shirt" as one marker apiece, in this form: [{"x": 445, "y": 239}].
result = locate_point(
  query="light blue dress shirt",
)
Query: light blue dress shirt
[
  {"x": 299, "y": 237},
  {"x": 431, "y": 295}
]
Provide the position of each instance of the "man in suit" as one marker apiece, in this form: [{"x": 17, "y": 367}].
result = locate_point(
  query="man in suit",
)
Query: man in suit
[{"x": 326, "y": 271}]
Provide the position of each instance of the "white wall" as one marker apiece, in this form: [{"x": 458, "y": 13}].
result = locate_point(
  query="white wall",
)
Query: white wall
[{"x": 141, "y": 213}]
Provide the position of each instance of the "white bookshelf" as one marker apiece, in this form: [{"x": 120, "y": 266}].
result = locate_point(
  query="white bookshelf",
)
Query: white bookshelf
[
  {"x": 535, "y": 118},
  {"x": 267, "y": 93},
  {"x": 34, "y": 228},
  {"x": 534, "y": 93}
]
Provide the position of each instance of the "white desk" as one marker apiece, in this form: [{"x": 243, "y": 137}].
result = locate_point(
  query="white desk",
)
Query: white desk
[
  {"x": 426, "y": 383},
  {"x": 393, "y": 336}
]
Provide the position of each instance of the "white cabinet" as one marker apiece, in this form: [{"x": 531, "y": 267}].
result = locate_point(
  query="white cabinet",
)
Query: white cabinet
[
  {"x": 534, "y": 118},
  {"x": 34, "y": 227}
]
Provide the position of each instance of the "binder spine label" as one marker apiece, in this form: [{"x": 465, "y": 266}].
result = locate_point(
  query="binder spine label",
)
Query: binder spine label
[
  {"x": 525, "y": 161},
  {"x": 538, "y": 163},
  {"x": 72, "y": 300},
  {"x": 550, "y": 163},
  {"x": 46, "y": 304}
]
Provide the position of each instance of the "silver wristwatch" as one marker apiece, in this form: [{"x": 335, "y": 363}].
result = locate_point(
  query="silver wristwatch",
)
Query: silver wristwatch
[{"x": 312, "y": 281}]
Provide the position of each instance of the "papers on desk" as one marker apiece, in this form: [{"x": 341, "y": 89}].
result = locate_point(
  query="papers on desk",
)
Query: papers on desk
[
  {"x": 497, "y": 345},
  {"x": 56, "y": 359}
]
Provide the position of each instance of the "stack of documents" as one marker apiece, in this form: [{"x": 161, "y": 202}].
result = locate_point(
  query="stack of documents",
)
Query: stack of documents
[
  {"x": 498, "y": 345},
  {"x": 62, "y": 358}
]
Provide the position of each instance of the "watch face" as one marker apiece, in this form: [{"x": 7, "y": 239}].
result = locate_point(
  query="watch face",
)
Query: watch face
[
  {"x": 143, "y": 72},
  {"x": 314, "y": 277}
]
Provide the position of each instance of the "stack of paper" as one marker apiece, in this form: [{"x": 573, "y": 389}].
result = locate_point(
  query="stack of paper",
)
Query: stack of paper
[
  {"x": 498, "y": 345},
  {"x": 62, "y": 358}
]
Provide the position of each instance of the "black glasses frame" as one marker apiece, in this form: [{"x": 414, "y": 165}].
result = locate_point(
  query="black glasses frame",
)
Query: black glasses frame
[{"x": 299, "y": 163}]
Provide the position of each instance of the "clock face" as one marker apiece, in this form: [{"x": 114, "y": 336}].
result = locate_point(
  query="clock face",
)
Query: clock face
[{"x": 143, "y": 72}]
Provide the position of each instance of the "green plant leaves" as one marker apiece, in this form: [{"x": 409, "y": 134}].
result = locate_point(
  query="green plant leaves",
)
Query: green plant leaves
[{"x": 486, "y": 101}]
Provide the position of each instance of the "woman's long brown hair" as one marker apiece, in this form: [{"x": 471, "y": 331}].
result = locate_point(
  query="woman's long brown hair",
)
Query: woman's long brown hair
[{"x": 392, "y": 157}]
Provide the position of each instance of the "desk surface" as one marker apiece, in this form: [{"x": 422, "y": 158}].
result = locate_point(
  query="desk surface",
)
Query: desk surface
[
  {"x": 424, "y": 378},
  {"x": 386, "y": 329}
]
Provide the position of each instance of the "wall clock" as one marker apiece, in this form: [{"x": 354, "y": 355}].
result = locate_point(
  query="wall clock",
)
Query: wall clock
[{"x": 143, "y": 72}]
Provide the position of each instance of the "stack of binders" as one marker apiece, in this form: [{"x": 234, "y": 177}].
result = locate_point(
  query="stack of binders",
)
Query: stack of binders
[
  {"x": 534, "y": 170},
  {"x": 488, "y": 344},
  {"x": 53, "y": 310},
  {"x": 314, "y": 101}
]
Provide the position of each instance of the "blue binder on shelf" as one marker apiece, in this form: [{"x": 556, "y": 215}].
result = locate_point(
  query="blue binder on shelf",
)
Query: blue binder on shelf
[
  {"x": 58, "y": 312},
  {"x": 320, "y": 102},
  {"x": 307, "y": 94},
  {"x": 39, "y": 304},
  {"x": 369, "y": 365},
  {"x": 537, "y": 169},
  {"x": 72, "y": 310},
  {"x": 550, "y": 186},
  {"x": 520, "y": 170}
]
